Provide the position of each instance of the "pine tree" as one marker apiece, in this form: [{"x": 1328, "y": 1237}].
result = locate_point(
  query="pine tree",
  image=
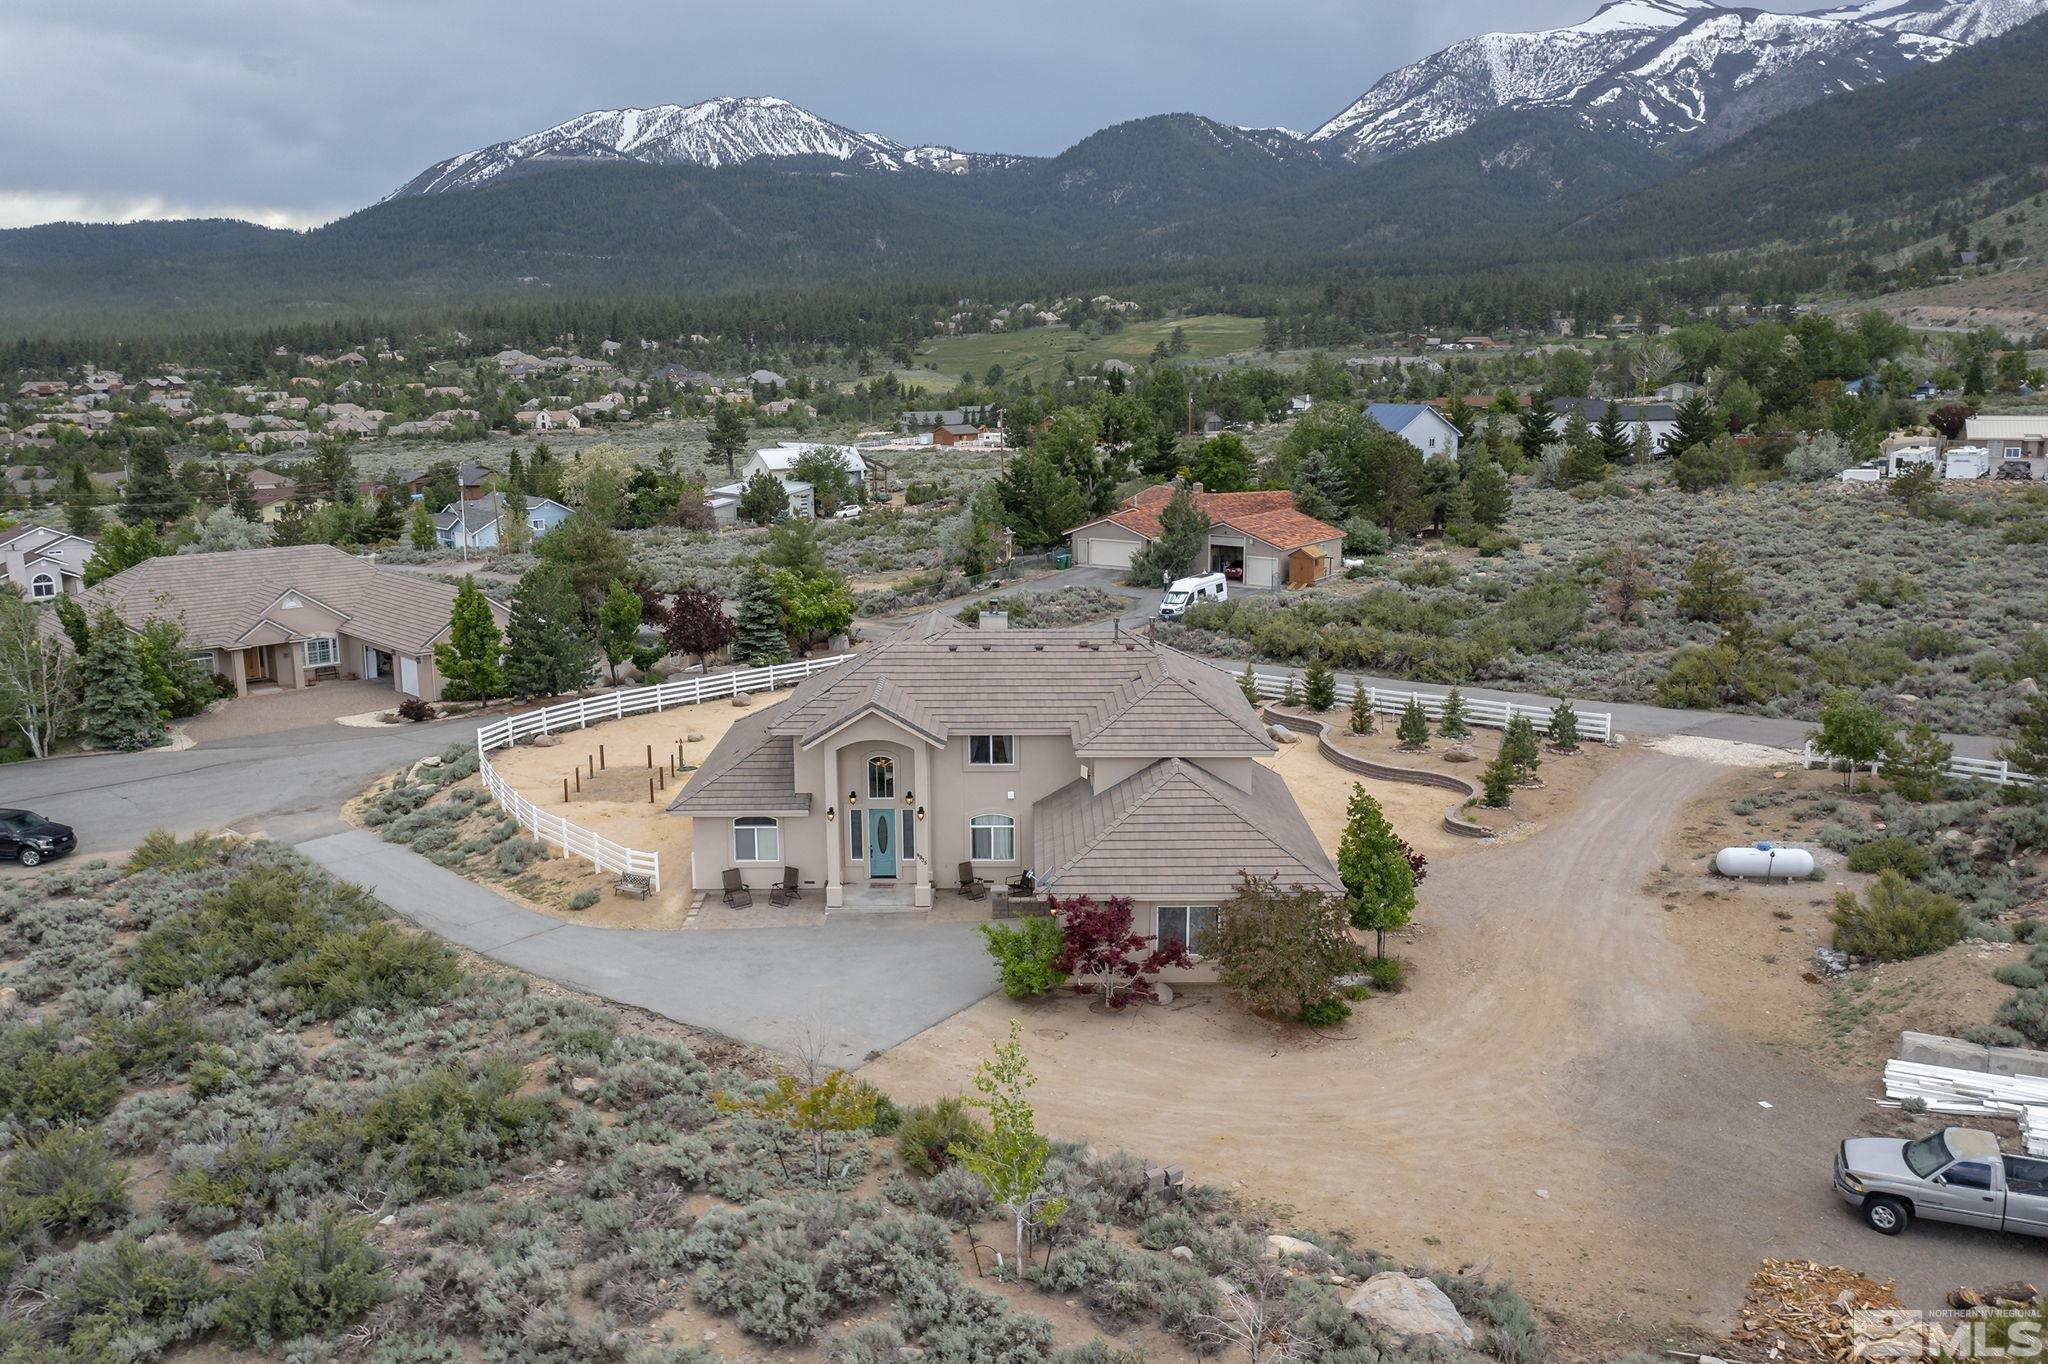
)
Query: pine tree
[
  {"x": 1916, "y": 762},
  {"x": 1319, "y": 685},
  {"x": 1290, "y": 695},
  {"x": 1249, "y": 685},
  {"x": 1453, "y": 725},
  {"x": 1182, "y": 540},
  {"x": 471, "y": 662},
  {"x": 1488, "y": 495},
  {"x": 1498, "y": 781},
  {"x": 758, "y": 640},
  {"x": 1413, "y": 731},
  {"x": 1519, "y": 746},
  {"x": 1361, "y": 707},
  {"x": 1564, "y": 726},
  {"x": 1695, "y": 423},
  {"x": 154, "y": 496},
  {"x": 548, "y": 652},
  {"x": 1379, "y": 883},
  {"x": 1535, "y": 432},
  {"x": 120, "y": 709},
  {"x": 421, "y": 530},
  {"x": 1611, "y": 436},
  {"x": 728, "y": 436},
  {"x": 81, "y": 503}
]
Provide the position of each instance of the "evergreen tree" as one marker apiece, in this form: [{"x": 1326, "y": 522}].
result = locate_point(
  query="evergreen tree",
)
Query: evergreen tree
[
  {"x": 758, "y": 640},
  {"x": 618, "y": 621},
  {"x": 548, "y": 652},
  {"x": 1452, "y": 724},
  {"x": 1379, "y": 882},
  {"x": 1695, "y": 423},
  {"x": 1179, "y": 547},
  {"x": 1488, "y": 495},
  {"x": 1563, "y": 731},
  {"x": 1916, "y": 762},
  {"x": 119, "y": 708},
  {"x": 1519, "y": 746},
  {"x": 728, "y": 436},
  {"x": 1498, "y": 781},
  {"x": 242, "y": 497},
  {"x": 1534, "y": 431},
  {"x": 1290, "y": 694},
  {"x": 515, "y": 536},
  {"x": 763, "y": 500},
  {"x": 154, "y": 496},
  {"x": 1713, "y": 590},
  {"x": 1612, "y": 438},
  {"x": 293, "y": 525},
  {"x": 1039, "y": 499},
  {"x": 1249, "y": 685},
  {"x": 592, "y": 554},
  {"x": 1319, "y": 685},
  {"x": 81, "y": 503},
  {"x": 121, "y": 547},
  {"x": 1361, "y": 707},
  {"x": 471, "y": 660},
  {"x": 1413, "y": 731}
]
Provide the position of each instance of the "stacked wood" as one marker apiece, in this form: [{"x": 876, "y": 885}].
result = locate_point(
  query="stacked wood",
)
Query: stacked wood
[
  {"x": 1970, "y": 1093},
  {"x": 1802, "y": 1310}
]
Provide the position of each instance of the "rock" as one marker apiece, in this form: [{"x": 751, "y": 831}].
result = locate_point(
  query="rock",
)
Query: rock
[
  {"x": 387, "y": 1219},
  {"x": 430, "y": 762},
  {"x": 1906, "y": 698},
  {"x": 1183, "y": 1254},
  {"x": 742, "y": 701},
  {"x": 2015, "y": 1291},
  {"x": 583, "y": 1084},
  {"x": 1830, "y": 963},
  {"x": 1543, "y": 1194},
  {"x": 1460, "y": 753},
  {"x": 693, "y": 737},
  {"x": 1283, "y": 735},
  {"x": 1408, "y": 1312},
  {"x": 1164, "y": 991},
  {"x": 547, "y": 741},
  {"x": 1978, "y": 845},
  {"x": 8, "y": 999},
  {"x": 2027, "y": 686},
  {"x": 1289, "y": 1248},
  {"x": 1963, "y": 1299}
]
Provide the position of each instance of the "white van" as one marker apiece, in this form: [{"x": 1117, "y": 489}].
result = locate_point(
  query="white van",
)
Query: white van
[{"x": 1186, "y": 592}]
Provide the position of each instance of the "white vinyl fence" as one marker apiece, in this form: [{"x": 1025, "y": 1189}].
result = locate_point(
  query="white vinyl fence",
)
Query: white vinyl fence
[
  {"x": 1997, "y": 771},
  {"x": 1597, "y": 726},
  {"x": 571, "y": 839}
]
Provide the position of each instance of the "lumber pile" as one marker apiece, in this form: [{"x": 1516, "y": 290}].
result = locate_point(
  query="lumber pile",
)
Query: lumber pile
[
  {"x": 1970, "y": 1093},
  {"x": 1802, "y": 1310}
]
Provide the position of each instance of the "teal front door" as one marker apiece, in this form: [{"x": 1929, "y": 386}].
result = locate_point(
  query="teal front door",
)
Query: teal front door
[{"x": 881, "y": 843}]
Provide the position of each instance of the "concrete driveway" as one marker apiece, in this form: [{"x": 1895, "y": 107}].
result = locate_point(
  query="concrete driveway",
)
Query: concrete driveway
[
  {"x": 278, "y": 709},
  {"x": 858, "y": 984}
]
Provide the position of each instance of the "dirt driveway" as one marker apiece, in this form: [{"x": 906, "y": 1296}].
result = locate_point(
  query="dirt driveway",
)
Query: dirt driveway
[{"x": 1557, "y": 1095}]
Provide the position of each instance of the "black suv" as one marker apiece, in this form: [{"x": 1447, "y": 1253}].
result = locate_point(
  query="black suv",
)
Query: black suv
[{"x": 31, "y": 839}]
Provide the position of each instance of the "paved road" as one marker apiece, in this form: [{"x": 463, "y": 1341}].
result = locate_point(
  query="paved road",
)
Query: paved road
[{"x": 859, "y": 984}]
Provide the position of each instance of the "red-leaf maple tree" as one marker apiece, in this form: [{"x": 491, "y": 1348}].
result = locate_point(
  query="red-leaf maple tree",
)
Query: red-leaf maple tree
[{"x": 1106, "y": 958}]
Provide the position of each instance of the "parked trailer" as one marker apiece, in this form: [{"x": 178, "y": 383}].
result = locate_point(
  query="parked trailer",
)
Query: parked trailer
[{"x": 1765, "y": 861}]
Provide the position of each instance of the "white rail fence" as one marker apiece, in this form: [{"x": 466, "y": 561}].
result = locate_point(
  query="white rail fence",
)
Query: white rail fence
[
  {"x": 1997, "y": 771},
  {"x": 572, "y": 839},
  {"x": 1595, "y": 725}
]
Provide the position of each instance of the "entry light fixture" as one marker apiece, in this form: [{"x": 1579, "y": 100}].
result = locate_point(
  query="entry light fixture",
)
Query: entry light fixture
[
  {"x": 853, "y": 797},
  {"x": 910, "y": 797},
  {"x": 831, "y": 813},
  {"x": 920, "y": 814}
]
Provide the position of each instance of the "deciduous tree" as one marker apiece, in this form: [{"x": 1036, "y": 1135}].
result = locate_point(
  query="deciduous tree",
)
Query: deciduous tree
[
  {"x": 1379, "y": 883},
  {"x": 471, "y": 659},
  {"x": 38, "y": 678},
  {"x": 1011, "y": 1159},
  {"x": 618, "y": 624},
  {"x": 1852, "y": 731},
  {"x": 1105, "y": 957},
  {"x": 1281, "y": 951},
  {"x": 698, "y": 625}
]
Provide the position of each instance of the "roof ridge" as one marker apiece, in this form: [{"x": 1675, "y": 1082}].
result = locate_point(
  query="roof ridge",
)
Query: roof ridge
[
  {"x": 1234, "y": 795},
  {"x": 1164, "y": 768}
]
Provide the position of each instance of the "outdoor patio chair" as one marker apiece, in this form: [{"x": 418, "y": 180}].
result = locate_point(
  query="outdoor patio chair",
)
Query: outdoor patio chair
[
  {"x": 972, "y": 886},
  {"x": 778, "y": 895},
  {"x": 792, "y": 885},
  {"x": 737, "y": 896}
]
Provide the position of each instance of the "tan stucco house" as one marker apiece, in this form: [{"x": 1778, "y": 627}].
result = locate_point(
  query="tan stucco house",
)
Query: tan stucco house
[
  {"x": 43, "y": 562},
  {"x": 1258, "y": 534},
  {"x": 283, "y": 616},
  {"x": 1103, "y": 765}
]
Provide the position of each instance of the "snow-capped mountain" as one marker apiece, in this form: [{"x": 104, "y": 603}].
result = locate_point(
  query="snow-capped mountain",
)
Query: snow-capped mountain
[
  {"x": 716, "y": 132},
  {"x": 1656, "y": 69}
]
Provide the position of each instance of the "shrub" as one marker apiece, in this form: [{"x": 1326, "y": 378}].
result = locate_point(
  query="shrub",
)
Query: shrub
[
  {"x": 1892, "y": 853},
  {"x": 1361, "y": 708},
  {"x": 1413, "y": 731},
  {"x": 515, "y": 855},
  {"x": 1024, "y": 956},
  {"x": 1896, "y": 920},
  {"x": 314, "y": 1276},
  {"x": 1498, "y": 782},
  {"x": 877, "y": 1342},
  {"x": 1319, "y": 685},
  {"x": 584, "y": 899},
  {"x": 958, "y": 1196},
  {"x": 66, "y": 1183},
  {"x": 448, "y": 1127},
  {"x": 380, "y": 966},
  {"x": 415, "y": 710},
  {"x": 2020, "y": 975},
  {"x": 42, "y": 1084},
  {"x": 1326, "y": 1012},
  {"x": 128, "y": 1298},
  {"x": 2026, "y": 1013},
  {"x": 928, "y": 1131},
  {"x": 1385, "y": 974},
  {"x": 160, "y": 850}
]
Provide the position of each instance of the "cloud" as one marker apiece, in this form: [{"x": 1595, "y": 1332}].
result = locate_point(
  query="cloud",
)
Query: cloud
[{"x": 26, "y": 208}]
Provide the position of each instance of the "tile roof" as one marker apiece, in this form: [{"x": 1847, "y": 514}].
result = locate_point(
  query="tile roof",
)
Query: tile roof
[
  {"x": 1268, "y": 516},
  {"x": 1111, "y": 694},
  {"x": 751, "y": 772},
  {"x": 1175, "y": 832},
  {"x": 222, "y": 597}
]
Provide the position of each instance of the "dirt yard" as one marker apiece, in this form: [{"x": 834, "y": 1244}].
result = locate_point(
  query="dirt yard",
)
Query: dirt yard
[
  {"x": 614, "y": 802},
  {"x": 1584, "y": 1087}
]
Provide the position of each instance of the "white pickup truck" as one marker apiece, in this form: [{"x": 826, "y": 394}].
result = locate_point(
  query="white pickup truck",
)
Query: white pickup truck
[{"x": 1954, "y": 1175}]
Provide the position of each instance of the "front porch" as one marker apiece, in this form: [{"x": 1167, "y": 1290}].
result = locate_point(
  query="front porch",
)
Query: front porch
[{"x": 862, "y": 900}]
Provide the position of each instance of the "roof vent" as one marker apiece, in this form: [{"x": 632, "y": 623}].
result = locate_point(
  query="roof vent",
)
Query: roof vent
[
  {"x": 1039, "y": 647},
  {"x": 986, "y": 647},
  {"x": 952, "y": 648}
]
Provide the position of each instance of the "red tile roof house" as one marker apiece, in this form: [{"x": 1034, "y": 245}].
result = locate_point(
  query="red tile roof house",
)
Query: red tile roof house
[
  {"x": 1261, "y": 532},
  {"x": 1105, "y": 766},
  {"x": 281, "y": 616}
]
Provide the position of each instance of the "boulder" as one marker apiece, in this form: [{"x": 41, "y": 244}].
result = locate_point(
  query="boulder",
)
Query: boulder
[
  {"x": 1290, "y": 1248},
  {"x": 1408, "y": 1313},
  {"x": 583, "y": 1084},
  {"x": 1460, "y": 753},
  {"x": 742, "y": 701},
  {"x": 694, "y": 737},
  {"x": 2027, "y": 686},
  {"x": 1184, "y": 1254},
  {"x": 1283, "y": 735},
  {"x": 547, "y": 740}
]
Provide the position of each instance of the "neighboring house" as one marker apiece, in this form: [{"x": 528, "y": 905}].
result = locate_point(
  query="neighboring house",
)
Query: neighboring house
[
  {"x": 540, "y": 419},
  {"x": 963, "y": 433},
  {"x": 919, "y": 419},
  {"x": 766, "y": 378},
  {"x": 44, "y": 563},
  {"x": 682, "y": 376},
  {"x": 472, "y": 479},
  {"x": 1660, "y": 419},
  {"x": 477, "y": 522},
  {"x": 1259, "y": 534},
  {"x": 2017, "y": 441},
  {"x": 1104, "y": 766},
  {"x": 285, "y": 616},
  {"x": 780, "y": 461},
  {"x": 270, "y": 491},
  {"x": 1421, "y": 425}
]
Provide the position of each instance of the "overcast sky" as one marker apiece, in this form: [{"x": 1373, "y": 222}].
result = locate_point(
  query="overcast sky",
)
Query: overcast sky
[{"x": 292, "y": 112}]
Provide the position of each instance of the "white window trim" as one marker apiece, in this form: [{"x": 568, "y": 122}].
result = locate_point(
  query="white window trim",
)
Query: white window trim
[
  {"x": 1159, "y": 925},
  {"x": 992, "y": 814},
  {"x": 333, "y": 650},
  {"x": 992, "y": 766},
  {"x": 755, "y": 825},
  {"x": 38, "y": 583}
]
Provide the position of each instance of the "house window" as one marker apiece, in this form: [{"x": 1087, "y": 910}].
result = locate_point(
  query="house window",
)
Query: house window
[
  {"x": 1192, "y": 926},
  {"x": 42, "y": 587},
  {"x": 991, "y": 750},
  {"x": 323, "y": 652},
  {"x": 756, "y": 839},
  {"x": 203, "y": 659},
  {"x": 856, "y": 832},
  {"x": 992, "y": 838},
  {"x": 881, "y": 777}
]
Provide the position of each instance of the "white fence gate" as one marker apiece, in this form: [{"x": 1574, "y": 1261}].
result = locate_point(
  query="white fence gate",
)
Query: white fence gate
[{"x": 573, "y": 840}]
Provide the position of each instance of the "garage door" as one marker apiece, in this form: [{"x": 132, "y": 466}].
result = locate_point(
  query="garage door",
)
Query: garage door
[
  {"x": 409, "y": 675},
  {"x": 1105, "y": 553},
  {"x": 1261, "y": 572}
]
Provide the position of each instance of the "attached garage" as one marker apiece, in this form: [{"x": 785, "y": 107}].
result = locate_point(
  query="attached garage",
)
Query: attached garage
[
  {"x": 1099, "y": 551},
  {"x": 1261, "y": 570}
]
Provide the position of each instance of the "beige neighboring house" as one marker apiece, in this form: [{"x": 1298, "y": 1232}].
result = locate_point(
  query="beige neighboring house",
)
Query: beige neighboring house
[
  {"x": 283, "y": 616},
  {"x": 2017, "y": 442},
  {"x": 44, "y": 563},
  {"x": 1257, "y": 538},
  {"x": 1104, "y": 765}
]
